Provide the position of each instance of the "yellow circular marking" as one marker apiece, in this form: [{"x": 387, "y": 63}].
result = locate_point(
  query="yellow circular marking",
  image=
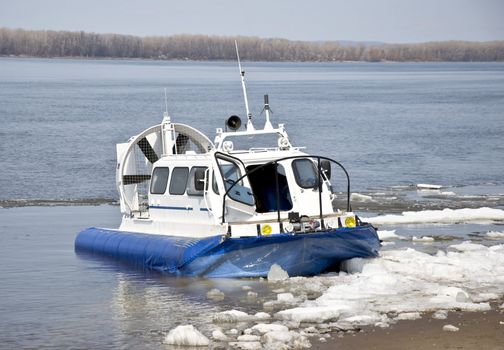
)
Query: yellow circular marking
[
  {"x": 266, "y": 229},
  {"x": 350, "y": 221}
]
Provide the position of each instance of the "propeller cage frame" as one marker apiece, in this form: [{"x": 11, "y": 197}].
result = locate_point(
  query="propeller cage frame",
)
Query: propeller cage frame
[{"x": 135, "y": 164}]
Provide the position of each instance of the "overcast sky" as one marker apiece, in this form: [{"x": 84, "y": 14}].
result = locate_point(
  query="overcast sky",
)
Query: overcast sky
[{"x": 361, "y": 20}]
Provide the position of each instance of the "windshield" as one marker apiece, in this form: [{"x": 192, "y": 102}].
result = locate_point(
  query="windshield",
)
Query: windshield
[{"x": 305, "y": 173}]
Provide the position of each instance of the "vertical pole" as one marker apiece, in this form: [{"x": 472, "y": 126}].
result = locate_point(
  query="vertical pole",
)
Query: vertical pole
[
  {"x": 278, "y": 197},
  {"x": 320, "y": 193},
  {"x": 250, "y": 127}
]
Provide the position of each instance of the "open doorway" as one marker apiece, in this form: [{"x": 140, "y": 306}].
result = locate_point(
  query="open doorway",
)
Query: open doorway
[{"x": 263, "y": 185}]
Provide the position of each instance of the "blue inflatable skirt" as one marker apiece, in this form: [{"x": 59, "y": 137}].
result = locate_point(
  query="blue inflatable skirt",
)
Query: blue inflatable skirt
[{"x": 218, "y": 256}]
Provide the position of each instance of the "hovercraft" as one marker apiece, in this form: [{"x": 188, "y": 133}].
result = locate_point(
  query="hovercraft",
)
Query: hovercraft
[{"x": 232, "y": 207}]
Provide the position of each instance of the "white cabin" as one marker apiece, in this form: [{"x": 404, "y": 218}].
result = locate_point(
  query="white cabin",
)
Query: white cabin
[{"x": 173, "y": 180}]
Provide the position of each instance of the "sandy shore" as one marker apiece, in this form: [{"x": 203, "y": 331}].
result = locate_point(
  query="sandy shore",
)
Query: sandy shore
[{"x": 477, "y": 330}]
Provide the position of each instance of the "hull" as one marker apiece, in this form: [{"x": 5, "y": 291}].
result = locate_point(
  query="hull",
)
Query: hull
[{"x": 217, "y": 256}]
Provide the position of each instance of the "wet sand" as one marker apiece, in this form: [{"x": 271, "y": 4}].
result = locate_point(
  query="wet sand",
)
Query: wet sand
[{"x": 477, "y": 330}]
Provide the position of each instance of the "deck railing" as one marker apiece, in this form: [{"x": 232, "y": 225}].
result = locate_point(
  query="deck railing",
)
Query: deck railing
[{"x": 275, "y": 162}]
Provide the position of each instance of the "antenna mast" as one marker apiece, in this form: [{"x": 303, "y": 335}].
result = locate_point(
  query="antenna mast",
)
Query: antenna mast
[
  {"x": 166, "y": 102},
  {"x": 250, "y": 127},
  {"x": 267, "y": 109}
]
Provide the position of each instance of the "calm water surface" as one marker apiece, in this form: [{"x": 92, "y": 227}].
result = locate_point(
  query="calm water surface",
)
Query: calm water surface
[{"x": 390, "y": 124}]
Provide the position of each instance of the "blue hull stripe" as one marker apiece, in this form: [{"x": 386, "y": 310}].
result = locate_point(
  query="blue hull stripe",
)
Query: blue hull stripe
[{"x": 169, "y": 207}]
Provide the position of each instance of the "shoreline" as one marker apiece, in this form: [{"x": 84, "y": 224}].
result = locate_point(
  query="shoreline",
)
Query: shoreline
[
  {"x": 153, "y": 59},
  {"x": 477, "y": 330}
]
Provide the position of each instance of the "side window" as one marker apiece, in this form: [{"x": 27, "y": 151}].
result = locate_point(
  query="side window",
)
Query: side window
[
  {"x": 305, "y": 173},
  {"x": 178, "y": 182},
  {"x": 159, "y": 180},
  {"x": 230, "y": 171},
  {"x": 214, "y": 183},
  {"x": 196, "y": 184}
]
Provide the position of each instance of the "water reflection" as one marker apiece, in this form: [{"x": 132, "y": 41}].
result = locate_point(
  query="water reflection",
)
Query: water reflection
[{"x": 147, "y": 304}]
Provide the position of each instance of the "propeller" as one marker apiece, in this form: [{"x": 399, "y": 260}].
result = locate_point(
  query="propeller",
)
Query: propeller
[
  {"x": 147, "y": 150},
  {"x": 180, "y": 144},
  {"x": 135, "y": 179}
]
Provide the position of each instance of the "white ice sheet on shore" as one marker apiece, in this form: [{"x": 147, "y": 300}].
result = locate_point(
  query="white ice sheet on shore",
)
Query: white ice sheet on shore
[
  {"x": 408, "y": 281},
  {"x": 445, "y": 216},
  {"x": 400, "y": 285}
]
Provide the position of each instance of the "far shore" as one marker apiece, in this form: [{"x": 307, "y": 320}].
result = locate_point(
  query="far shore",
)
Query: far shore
[{"x": 152, "y": 59}]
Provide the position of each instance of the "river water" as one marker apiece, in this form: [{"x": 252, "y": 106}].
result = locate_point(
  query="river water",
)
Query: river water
[{"x": 392, "y": 125}]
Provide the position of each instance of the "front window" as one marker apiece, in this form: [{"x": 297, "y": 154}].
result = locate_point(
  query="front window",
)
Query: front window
[
  {"x": 305, "y": 173},
  {"x": 196, "y": 185},
  {"x": 159, "y": 180},
  {"x": 178, "y": 182}
]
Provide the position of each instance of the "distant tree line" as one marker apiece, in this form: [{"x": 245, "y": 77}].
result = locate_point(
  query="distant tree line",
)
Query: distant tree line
[{"x": 47, "y": 43}]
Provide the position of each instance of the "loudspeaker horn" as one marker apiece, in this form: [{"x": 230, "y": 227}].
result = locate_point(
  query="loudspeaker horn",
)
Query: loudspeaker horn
[{"x": 233, "y": 122}]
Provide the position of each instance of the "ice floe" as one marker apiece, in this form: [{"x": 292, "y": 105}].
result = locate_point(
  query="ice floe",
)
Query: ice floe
[
  {"x": 263, "y": 328},
  {"x": 429, "y": 186},
  {"x": 276, "y": 273},
  {"x": 246, "y": 345},
  {"x": 215, "y": 294},
  {"x": 353, "y": 265},
  {"x": 251, "y": 295},
  {"x": 450, "y": 328},
  {"x": 495, "y": 234},
  {"x": 357, "y": 197},
  {"x": 232, "y": 316},
  {"x": 446, "y": 216},
  {"x": 385, "y": 235},
  {"x": 219, "y": 336},
  {"x": 440, "y": 315},
  {"x": 286, "y": 297},
  {"x": 409, "y": 316},
  {"x": 186, "y": 335},
  {"x": 422, "y": 239}
]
